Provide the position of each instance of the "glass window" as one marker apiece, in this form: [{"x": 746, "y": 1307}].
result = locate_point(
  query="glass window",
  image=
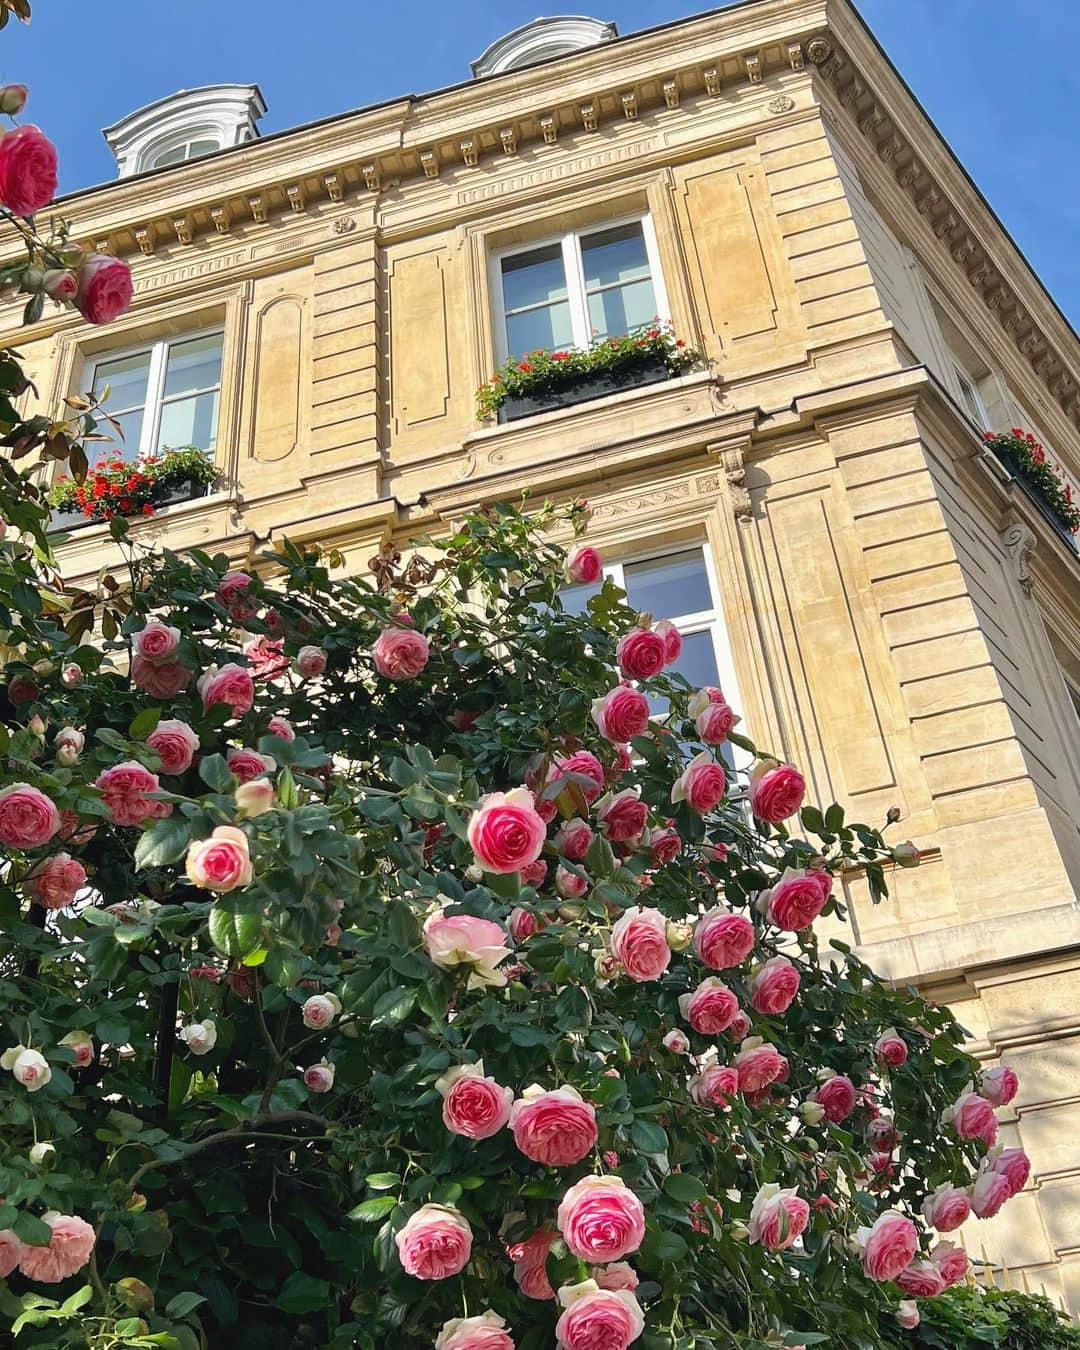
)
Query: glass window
[
  {"x": 676, "y": 583},
  {"x": 618, "y": 286},
  {"x": 180, "y": 153}
]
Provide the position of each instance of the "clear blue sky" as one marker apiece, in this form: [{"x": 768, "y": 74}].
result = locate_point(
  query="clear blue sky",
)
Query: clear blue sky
[{"x": 999, "y": 77}]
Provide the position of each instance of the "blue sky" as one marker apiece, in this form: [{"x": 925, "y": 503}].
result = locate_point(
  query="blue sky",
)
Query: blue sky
[{"x": 999, "y": 77}]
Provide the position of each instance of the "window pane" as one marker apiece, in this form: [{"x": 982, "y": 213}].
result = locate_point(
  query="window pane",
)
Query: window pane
[
  {"x": 614, "y": 312},
  {"x": 114, "y": 447},
  {"x": 533, "y": 278},
  {"x": 615, "y": 255},
  {"x": 189, "y": 421},
  {"x": 126, "y": 377},
  {"x": 197, "y": 148},
  {"x": 547, "y": 328},
  {"x": 193, "y": 365},
  {"x": 696, "y": 663},
  {"x": 175, "y": 156},
  {"x": 575, "y": 598},
  {"x": 669, "y": 586}
]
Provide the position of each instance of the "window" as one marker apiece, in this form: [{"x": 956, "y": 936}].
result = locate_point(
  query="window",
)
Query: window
[
  {"x": 188, "y": 150},
  {"x": 569, "y": 291},
  {"x": 164, "y": 396},
  {"x": 973, "y": 399}
]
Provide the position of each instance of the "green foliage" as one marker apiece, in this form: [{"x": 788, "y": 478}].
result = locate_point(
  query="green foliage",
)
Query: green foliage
[
  {"x": 114, "y": 486},
  {"x": 1023, "y": 454},
  {"x": 970, "y": 1317}
]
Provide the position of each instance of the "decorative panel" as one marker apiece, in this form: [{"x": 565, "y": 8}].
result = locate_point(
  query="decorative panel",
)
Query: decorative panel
[
  {"x": 419, "y": 342},
  {"x": 279, "y": 337}
]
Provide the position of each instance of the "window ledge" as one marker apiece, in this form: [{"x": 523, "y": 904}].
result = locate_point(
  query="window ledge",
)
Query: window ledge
[{"x": 90, "y": 534}]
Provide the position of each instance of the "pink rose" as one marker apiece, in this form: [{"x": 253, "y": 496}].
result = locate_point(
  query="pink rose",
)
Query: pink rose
[
  {"x": 530, "y": 1263},
  {"x": 244, "y": 765},
  {"x": 672, "y": 640},
  {"x": 310, "y": 662},
  {"x": 714, "y": 724},
  {"x": 582, "y": 765},
  {"x": 81, "y": 1045},
  {"x": 222, "y": 862},
  {"x": 124, "y": 788},
  {"x": 723, "y": 939},
  {"x": 281, "y": 726},
  {"x": 61, "y": 284},
  {"x": 947, "y": 1208},
  {"x": 27, "y": 170},
  {"x": 473, "y": 1105},
  {"x": 989, "y": 1193},
  {"x": 621, "y": 714},
  {"x": 639, "y": 943},
  {"x": 319, "y": 1011},
  {"x": 570, "y": 885},
  {"x": 890, "y": 1048},
  {"x": 163, "y": 681},
  {"x": 998, "y": 1086},
  {"x": 319, "y": 1077},
  {"x": 505, "y": 831},
  {"x": 710, "y": 1008},
  {"x": 972, "y": 1117},
  {"x": 555, "y": 1127},
  {"x": 69, "y": 1248},
  {"x": 601, "y": 1219},
  {"x": 622, "y": 816},
  {"x": 28, "y": 818},
  {"x": 400, "y": 653},
  {"x": 640, "y": 654},
  {"x": 435, "y": 1243},
  {"x": 597, "y": 1319},
  {"x": 664, "y": 845},
  {"x": 583, "y": 566},
  {"x": 71, "y": 676},
  {"x": 156, "y": 643},
  {"x": 882, "y": 1133},
  {"x": 534, "y": 873},
  {"x": 907, "y": 1314},
  {"x": 921, "y": 1279},
  {"x": 176, "y": 743},
  {"x": 266, "y": 657},
  {"x": 798, "y": 898},
  {"x": 11, "y": 1250},
  {"x": 889, "y": 1246},
  {"x": 837, "y": 1096},
  {"x": 677, "y": 1042},
  {"x": 1015, "y": 1166},
  {"x": 28, "y": 1067},
  {"x": 701, "y": 784},
  {"x": 777, "y": 1217},
  {"x": 232, "y": 592},
  {"x": 463, "y": 940},
  {"x": 773, "y": 986},
  {"x": 776, "y": 791},
  {"x": 758, "y": 1064},
  {"x": 105, "y": 288},
  {"x": 230, "y": 684},
  {"x": 57, "y": 881},
  {"x": 951, "y": 1261},
  {"x": 254, "y": 798},
  {"x": 715, "y": 1085},
  {"x": 619, "y": 1275},
  {"x": 522, "y": 923},
  {"x": 574, "y": 839},
  {"x": 740, "y": 1027},
  {"x": 487, "y": 1331}
]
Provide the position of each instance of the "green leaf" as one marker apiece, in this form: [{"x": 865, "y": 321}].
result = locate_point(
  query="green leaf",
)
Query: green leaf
[
  {"x": 834, "y": 817},
  {"x": 143, "y": 723},
  {"x": 215, "y": 773},
  {"x": 181, "y": 1304},
  {"x": 648, "y": 1136},
  {"x": 79, "y": 1299},
  {"x": 683, "y": 1187},
  {"x": 382, "y": 1181},
  {"x": 395, "y": 1005},
  {"x": 302, "y": 1293},
  {"x": 235, "y": 934},
  {"x": 371, "y": 1210},
  {"x": 164, "y": 842},
  {"x": 32, "y": 1230},
  {"x": 812, "y": 819}
]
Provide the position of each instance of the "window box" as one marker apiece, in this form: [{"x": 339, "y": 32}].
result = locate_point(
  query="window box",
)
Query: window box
[
  {"x": 1046, "y": 483},
  {"x": 113, "y": 488},
  {"x": 584, "y": 388}
]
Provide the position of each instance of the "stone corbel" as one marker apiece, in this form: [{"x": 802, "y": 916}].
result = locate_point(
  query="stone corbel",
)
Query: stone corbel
[
  {"x": 711, "y": 79},
  {"x": 671, "y": 92},
  {"x": 731, "y": 458},
  {"x": 1020, "y": 545},
  {"x": 549, "y": 125}
]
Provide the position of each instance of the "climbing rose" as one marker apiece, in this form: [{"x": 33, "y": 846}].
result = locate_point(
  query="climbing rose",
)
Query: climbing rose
[
  {"x": 319, "y": 1011},
  {"x": 27, "y": 170},
  {"x": 176, "y": 743},
  {"x": 1015, "y": 1166},
  {"x": 61, "y": 284},
  {"x": 232, "y": 592},
  {"x": 722, "y": 938},
  {"x": 473, "y": 1105},
  {"x": 281, "y": 726},
  {"x": 972, "y": 1117},
  {"x": 464, "y": 940},
  {"x": 484, "y": 1332},
  {"x": 57, "y": 881},
  {"x": 319, "y": 1077},
  {"x": 773, "y": 986},
  {"x": 710, "y": 1008},
  {"x": 776, "y": 791},
  {"x": 672, "y": 640},
  {"x": 505, "y": 832},
  {"x": 569, "y": 884},
  {"x": 266, "y": 657},
  {"x": 998, "y": 1086},
  {"x": 555, "y": 1127},
  {"x": 777, "y": 1217},
  {"x": 583, "y": 764},
  {"x": 715, "y": 1085},
  {"x": 890, "y": 1048},
  {"x": 677, "y": 1042},
  {"x": 199, "y": 1037},
  {"x": 159, "y": 681},
  {"x": 310, "y": 662},
  {"x": 921, "y": 1279},
  {"x": 758, "y": 1064},
  {"x": 639, "y": 942},
  {"x": 989, "y": 1193},
  {"x": 836, "y": 1096},
  {"x": 640, "y": 654},
  {"x": 601, "y": 1219},
  {"x": 11, "y": 1249},
  {"x": 105, "y": 288},
  {"x": 434, "y": 1243},
  {"x": 622, "y": 815},
  {"x": 664, "y": 845},
  {"x": 222, "y": 862},
  {"x": 28, "y": 818},
  {"x": 621, "y": 714},
  {"x": 230, "y": 684},
  {"x": 530, "y": 1263},
  {"x": 253, "y": 798},
  {"x": 798, "y": 898},
  {"x": 583, "y": 566},
  {"x": 701, "y": 784},
  {"x": 573, "y": 839},
  {"x": 28, "y": 1067},
  {"x": 947, "y": 1208},
  {"x": 156, "y": 643},
  {"x": 68, "y": 1251},
  {"x": 597, "y": 1319},
  {"x": 244, "y": 765},
  {"x": 522, "y": 923},
  {"x": 951, "y": 1261},
  {"x": 81, "y": 1045},
  {"x": 125, "y": 788},
  {"x": 400, "y": 653},
  {"x": 619, "y": 1275},
  {"x": 907, "y": 1314},
  {"x": 888, "y": 1247}
]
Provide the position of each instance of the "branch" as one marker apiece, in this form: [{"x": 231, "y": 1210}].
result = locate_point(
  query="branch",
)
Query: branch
[{"x": 250, "y": 1131}]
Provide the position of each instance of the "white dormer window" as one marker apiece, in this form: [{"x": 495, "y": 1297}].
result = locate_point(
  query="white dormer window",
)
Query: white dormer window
[
  {"x": 185, "y": 126},
  {"x": 188, "y": 150},
  {"x": 540, "y": 40}
]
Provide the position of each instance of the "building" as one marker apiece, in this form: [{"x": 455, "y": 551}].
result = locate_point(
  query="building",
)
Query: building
[{"x": 891, "y": 607}]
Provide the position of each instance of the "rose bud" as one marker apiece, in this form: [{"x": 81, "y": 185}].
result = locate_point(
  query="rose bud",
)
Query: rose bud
[
  {"x": 13, "y": 99},
  {"x": 906, "y": 854}
]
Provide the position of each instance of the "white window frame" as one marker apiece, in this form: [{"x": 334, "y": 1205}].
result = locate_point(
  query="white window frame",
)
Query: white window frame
[
  {"x": 155, "y": 384},
  {"x": 210, "y": 138},
  {"x": 574, "y": 270},
  {"x": 971, "y": 398}
]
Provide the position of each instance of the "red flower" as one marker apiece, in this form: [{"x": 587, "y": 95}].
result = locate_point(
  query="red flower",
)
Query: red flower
[
  {"x": 524, "y": 365},
  {"x": 679, "y": 342},
  {"x": 147, "y": 510},
  {"x": 653, "y": 333}
]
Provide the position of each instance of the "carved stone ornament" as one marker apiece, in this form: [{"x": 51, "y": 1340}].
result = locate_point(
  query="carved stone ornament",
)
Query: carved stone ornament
[
  {"x": 344, "y": 224},
  {"x": 818, "y": 51},
  {"x": 550, "y": 127},
  {"x": 671, "y": 92},
  {"x": 782, "y": 103},
  {"x": 711, "y": 77},
  {"x": 1020, "y": 543},
  {"x": 752, "y": 65},
  {"x": 731, "y": 459},
  {"x": 795, "y": 55}
]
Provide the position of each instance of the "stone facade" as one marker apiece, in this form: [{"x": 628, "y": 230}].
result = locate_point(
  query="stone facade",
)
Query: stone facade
[{"x": 900, "y": 616}]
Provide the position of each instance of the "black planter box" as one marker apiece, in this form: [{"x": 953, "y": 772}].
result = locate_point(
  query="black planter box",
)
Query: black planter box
[
  {"x": 595, "y": 386},
  {"x": 60, "y": 522},
  {"x": 1016, "y": 468}
]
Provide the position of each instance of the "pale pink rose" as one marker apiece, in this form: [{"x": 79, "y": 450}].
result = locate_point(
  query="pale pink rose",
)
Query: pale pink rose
[
  {"x": 921, "y": 1279},
  {"x": 400, "y": 653},
  {"x": 28, "y": 1067},
  {"x": 890, "y": 1048},
  {"x": 677, "y": 1042},
  {"x": 156, "y": 643},
  {"x": 81, "y": 1045},
  {"x": 740, "y": 1027},
  {"x": 162, "y": 681},
  {"x": 244, "y": 765},
  {"x": 311, "y": 662},
  {"x": 777, "y": 1217},
  {"x": 951, "y": 1261},
  {"x": 587, "y": 771},
  {"x": 776, "y": 791},
  {"x": 253, "y": 798},
  {"x": 57, "y": 881},
  {"x": 664, "y": 844},
  {"x": 989, "y": 1193},
  {"x": 1015, "y": 1166},
  {"x": 222, "y": 862},
  {"x": 13, "y": 99},
  {"x": 463, "y": 940},
  {"x": 487, "y": 1331},
  {"x": 601, "y": 1219},
  {"x": 68, "y": 1250},
  {"x": 319, "y": 1011},
  {"x": 798, "y": 898},
  {"x": 715, "y": 723},
  {"x": 723, "y": 939},
  {"x": 998, "y": 1086},
  {"x": 266, "y": 657},
  {"x": 837, "y": 1097},
  {"x": 555, "y": 1127},
  {"x": 622, "y": 815},
  {"x": 125, "y": 788},
  {"x": 28, "y": 818},
  {"x": 569, "y": 884},
  {"x": 281, "y": 726},
  {"x": 200, "y": 1037},
  {"x": 522, "y": 923},
  {"x": 597, "y": 1319},
  {"x": 619, "y": 1275},
  {"x": 621, "y": 714},
  {"x": 624, "y": 761},
  {"x": 319, "y": 1077},
  {"x": 27, "y": 170},
  {"x": 534, "y": 873},
  {"x": 710, "y": 1008},
  {"x": 882, "y": 1133},
  {"x": 639, "y": 943},
  {"x": 640, "y": 654},
  {"x": 105, "y": 288},
  {"x": 435, "y": 1243},
  {"x": 176, "y": 743},
  {"x": 701, "y": 784},
  {"x": 71, "y": 676},
  {"x": 69, "y": 743},
  {"x": 889, "y": 1246},
  {"x": 574, "y": 839},
  {"x": 530, "y": 1263},
  {"x": 907, "y": 1314},
  {"x": 672, "y": 640},
  {"x": 947, "y": 1208},
  {"x": 715, "y": 1085},
  {"x": 473, "y": 1105},
  {"x": 505, "y": 831},
  {"x": 773, "y": 986},
  {"x": 230, "y": 684},
  {"x": 972, "y": 1117},
  {"x": 232, "y": 592},
  {"x": 758, "y": 1064},
  {"x": 583, "y": 566},
  {"x": 11, "y": 1250}
]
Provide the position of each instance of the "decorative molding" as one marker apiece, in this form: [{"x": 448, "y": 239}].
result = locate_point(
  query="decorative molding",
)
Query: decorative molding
[
  {"x": 710, "y": 77},
  {"x": 429, "y": 162},
  {"x": 549, "y": 126},
  {"x": 731, "y": 455},
  {"x": 670, "y": 90},
  {"x": 540, "y": 40},
  {"x": 628, "y": 99},
  {"x": 818, "y": 50},
  {"x": 752, "y": 66},
  {"x": 588, "y": 116},
  {"x": 508, "y": 140},
  {"x": 221, "y": 114},
  {"x": 370, "y": 174},
  {"x": 144, "y": 237},
  {"x": 334, "y": 187},
  {"x": 1020, "y": 543},
  {"x": 795, "y": 55},
  {"x": 182, "y": 226},
  {"x": 221, "y": 218},
  {"x": 257, "y": 206},
  {"x": 295, "y": 194},
  {"x": 645, "y": 501},
  {"x": 469, "y": 152},
  {"x": 344, "y": 224},
  {"x": 782, "y": 103}
]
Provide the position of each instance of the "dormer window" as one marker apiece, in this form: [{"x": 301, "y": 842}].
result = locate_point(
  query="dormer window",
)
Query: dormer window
[
  {"x": 188, "y": 150},
  {"x": 540, "y": 40},
  {"x": 185, "y": 126}
]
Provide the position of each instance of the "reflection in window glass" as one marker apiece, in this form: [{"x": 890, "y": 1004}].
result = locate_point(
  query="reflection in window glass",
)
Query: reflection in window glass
[
  {"x": 544, "y": 329},
  {"x": 674, "y": 584},
  {"x": 534, "y": 278},
  {"x": 697, "y": 664},
  {"x": 126, "y": 377},
  {"x": 192, "y": 365},
  {"x": 576, "y": 598}
]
